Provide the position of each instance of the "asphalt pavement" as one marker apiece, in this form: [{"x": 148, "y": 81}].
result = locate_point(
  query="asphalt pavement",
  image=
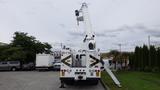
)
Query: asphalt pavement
[{"x": 34, "y": 80}]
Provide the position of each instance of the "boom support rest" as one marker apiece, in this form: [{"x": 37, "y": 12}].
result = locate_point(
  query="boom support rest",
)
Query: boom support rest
[{"x": 112, "y": 76}]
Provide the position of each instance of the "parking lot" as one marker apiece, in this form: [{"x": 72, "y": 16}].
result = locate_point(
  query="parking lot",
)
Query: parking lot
[{"x": 34, "y": 80}]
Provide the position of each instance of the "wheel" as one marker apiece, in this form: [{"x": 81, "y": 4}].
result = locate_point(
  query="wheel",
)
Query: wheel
[
  {"x": 69, "y": 82},
  {"x": 13, "y": 69},
  {"x": 94, "y": 82}
]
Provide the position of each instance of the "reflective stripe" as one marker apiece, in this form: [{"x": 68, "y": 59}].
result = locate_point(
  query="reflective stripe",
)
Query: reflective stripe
[
  {"x": 65, "y": 62},
  {"x": 96, "y": 60}
]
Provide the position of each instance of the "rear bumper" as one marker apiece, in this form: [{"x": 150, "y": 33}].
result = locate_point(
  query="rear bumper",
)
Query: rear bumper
[
  {"x": 71, "y": 78},
  {"x": 44, "y": 67}
]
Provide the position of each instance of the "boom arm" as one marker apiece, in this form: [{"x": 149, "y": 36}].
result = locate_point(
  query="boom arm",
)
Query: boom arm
[
  {"x": 85, "y": 18},
  {"x": 83, "y": 15}
]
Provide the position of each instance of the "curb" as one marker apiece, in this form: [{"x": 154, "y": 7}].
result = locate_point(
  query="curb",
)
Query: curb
[{"x": 103, "y": 84}]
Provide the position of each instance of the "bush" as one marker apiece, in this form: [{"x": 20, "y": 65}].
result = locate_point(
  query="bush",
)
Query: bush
[
  {"x": 155, "y": 69},
  {"x": 147, "y": 69}
]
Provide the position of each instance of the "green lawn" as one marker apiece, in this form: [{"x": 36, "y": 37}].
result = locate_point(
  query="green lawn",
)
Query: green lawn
[{"x": 131, "y": 80}]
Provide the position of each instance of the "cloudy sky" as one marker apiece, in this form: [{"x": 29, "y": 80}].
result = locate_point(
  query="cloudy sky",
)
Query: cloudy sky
[{"x": 126, "y": 22}]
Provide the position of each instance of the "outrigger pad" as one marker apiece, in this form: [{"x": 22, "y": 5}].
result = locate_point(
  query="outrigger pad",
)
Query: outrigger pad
[{"x": 62, "y": 84}]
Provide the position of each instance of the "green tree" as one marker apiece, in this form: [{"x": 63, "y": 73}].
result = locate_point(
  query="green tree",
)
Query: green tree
[
  {"x": 136, "y": 61},
  {"x": 145, "y": 57},
  {"x": 2, "y": 52},
  {"x": 29, "y": 45},
  {"x": 131, "y": 61},
  {"x": 8, "y": 53},
  {"x": 141, "y": 59},
  {"x": 116, "y": 56},
  {"x": 158, "y": 57},
  {"x": 152, "y": 56}
]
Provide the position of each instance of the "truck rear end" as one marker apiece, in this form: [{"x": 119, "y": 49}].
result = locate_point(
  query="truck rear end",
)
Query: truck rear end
[
  {"x": 84, "y": 64},
  {"x": 81, "y": 66},
  {"x": 44, "y": 61}
]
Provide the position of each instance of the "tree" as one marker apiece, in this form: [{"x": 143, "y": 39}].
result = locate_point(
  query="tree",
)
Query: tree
[
  {"x": 145, "y": 59},
  {"x": 115, "y": 55},
  {"x": 2, "y": 52},
  {"x": 131, "y": 61},
  {"x": 124, "y": 56},
  {"x": 153, "y": 56},
  {"x": 9, "y": 53},
  {"x": 136, "y": 61},
  {"x": 23, "y": 48},
  {"x": 29, "y": 45},
  {"x": 158, "y": 57}
]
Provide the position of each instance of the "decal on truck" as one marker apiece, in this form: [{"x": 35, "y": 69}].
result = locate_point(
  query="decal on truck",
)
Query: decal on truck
[
  {"x": 65, "y": 60},
  {"x": 95, "y": 59}
]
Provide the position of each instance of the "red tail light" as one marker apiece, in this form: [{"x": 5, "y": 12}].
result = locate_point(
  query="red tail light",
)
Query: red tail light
[{"x": 98, "y": 70}]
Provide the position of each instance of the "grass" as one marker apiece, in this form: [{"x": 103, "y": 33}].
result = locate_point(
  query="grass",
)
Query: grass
[{"x": 132, "y": 80}]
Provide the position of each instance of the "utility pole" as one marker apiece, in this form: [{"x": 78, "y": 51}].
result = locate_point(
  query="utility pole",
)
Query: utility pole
[
  {"x": 120, "y": 47},
  {"x": 149, "y": 56},
  {"x": 149, "y": 41},
  {"x": 120, "y": 53}
]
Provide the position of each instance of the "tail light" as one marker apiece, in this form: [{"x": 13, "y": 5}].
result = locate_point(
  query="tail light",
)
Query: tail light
[{"x": 97, "y": 72}]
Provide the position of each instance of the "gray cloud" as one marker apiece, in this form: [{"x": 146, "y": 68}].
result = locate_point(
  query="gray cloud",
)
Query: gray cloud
[
  {"x": 98, "y": 34},
  {"x": 111, "y": 35},
  {"x": 140, "y": 27},
  {"x": 153, "y": 32},
  {"x": 2, "y": 1},
  {"x": 117, "y": 31},
  {"x": 114, "y": 30},
  {"x": 105, "y": 34},
  {"x": 127, "y": 36},
  {"x": 62, "y": 25},
  {"x": 101, "y": 34},
  {"x": 50, "y": 20},
  {"x": 75, "y": 34},
  {"x": 155, "y": 42}
]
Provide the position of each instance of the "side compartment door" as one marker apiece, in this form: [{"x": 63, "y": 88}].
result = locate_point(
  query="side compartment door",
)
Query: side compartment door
[{"x": 83, "y": 60}]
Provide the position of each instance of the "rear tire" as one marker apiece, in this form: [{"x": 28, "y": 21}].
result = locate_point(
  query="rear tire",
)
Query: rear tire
[
  {"x": 13, "y": 69},
  {"x": 69, "y": 82},
  {"x": 94, "y": 82}
]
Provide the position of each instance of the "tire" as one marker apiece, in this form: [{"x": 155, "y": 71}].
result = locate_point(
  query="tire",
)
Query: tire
[
  {"x": 13, "y": 69},
  {"x": 94, "y": 82},
  {"x": 69, "y": 82}
]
